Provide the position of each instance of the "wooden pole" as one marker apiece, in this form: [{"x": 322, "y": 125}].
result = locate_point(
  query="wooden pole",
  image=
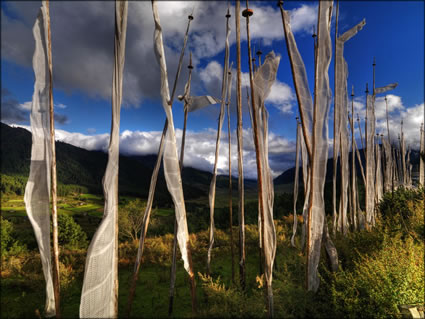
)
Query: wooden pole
[
  {"x": 373, "y": 65},
  {"x": 388, "y": 125},
  {"x": 152, "y": 191},
  {"x": 247, "y": 13},
  {"x": 365, "y": 150},
  {"x": 239, "y": 132},
  {"x": 230, "y": 189},
  {"x": 56, "y": 278},
  {"x": 336, "y": 138},
  {"x": 353, "y": 166}
]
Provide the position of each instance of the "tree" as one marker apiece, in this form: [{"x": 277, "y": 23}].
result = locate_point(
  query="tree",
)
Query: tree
[
  {"x": 131, "y": 219},
  {"x": 70, "y": 233},
  {"x": 6, "y": 235}
]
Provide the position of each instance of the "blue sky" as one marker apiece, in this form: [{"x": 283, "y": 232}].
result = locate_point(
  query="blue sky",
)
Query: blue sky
[{"x": 82, "y": 48}]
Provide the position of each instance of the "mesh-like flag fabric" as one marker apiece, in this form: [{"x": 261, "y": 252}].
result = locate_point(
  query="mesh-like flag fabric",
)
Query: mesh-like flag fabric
[
  {"x": 316, "y": 179},
  {"x": 198, "y": 102},
  {"x": 305, "y": 105},
  {"x": 170, "y": 159},
  {"x": 341, "y": 137},
  {"x": 98, "y": 294},
  {"x": 37, "y": 190},
  {"x": 370, "y": 160},
  {"x": 378, "y": 180},
  {"x": 264, "y": 78},
  {"x": 320, "y": 144},
  {"x": 388, "y": 165},
  {"x": 305, "y": 102},
  {"x": 403, "y": 156},
  {"x": 408, "y": 169},
  {"x": 211, "y": 196},
  {"x": 306, "y": 181},
  {"x": 297, "y": 168},
  {"x": 386, "y": 88}
]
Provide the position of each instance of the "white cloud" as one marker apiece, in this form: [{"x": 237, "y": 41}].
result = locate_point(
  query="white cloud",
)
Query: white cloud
[
  {"x": 86, "y": 65},
  {"x": 412, "y": 118},
  {"x": 26, "y": 106},
  {"x": 60, "y": 106},
  {"x": 199, "y": 149}
]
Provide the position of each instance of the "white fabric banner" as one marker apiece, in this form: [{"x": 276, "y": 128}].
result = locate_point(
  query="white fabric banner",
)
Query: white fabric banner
[
  {"x": 264, "y": 78},
  {"x": 378, "y": 175},
  {"x": 98, "y": 298},
  {"x": 370, "y": 161},
  {"x": 320, "y": 144},
  {"x": 341, "y": 137},
  {"x": 37, "y": 190},
  {"x": 386, "y": 88},
  {"x": 297, "y": 168},
  {"x": 170, "y": 160},
  {"x": 305, "y": 102},
  {"x": 315, "y": 186}
]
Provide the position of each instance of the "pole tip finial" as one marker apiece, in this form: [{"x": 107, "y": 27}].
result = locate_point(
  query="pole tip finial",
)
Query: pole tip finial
[
  {"x": 190, "y": 61},
  {"x": 228, "y": 15},
  {"x": 374, "y": 61},
  {"x": 259, "y": 52},
  {"x": 352, "y": 90},
  {"x": 190, "y": 16},
  {"x": 280, "y": 3},
  {"x": 247, "y": 13},
  {"x": 367, "y": 89}
]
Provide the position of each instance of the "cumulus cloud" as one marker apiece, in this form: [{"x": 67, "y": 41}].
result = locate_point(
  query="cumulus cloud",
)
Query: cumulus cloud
[
  {"x": 83, "y": 54},
  {"x": 14, "y": 112},
  {"x": 199, "y": 149},
  {"x": 412, "y": 118}
]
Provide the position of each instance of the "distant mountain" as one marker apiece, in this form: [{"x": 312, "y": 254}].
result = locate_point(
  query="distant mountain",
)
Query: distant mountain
[
  {"x": 79, "y": 166},
  {"x": 288, "y": 176}
]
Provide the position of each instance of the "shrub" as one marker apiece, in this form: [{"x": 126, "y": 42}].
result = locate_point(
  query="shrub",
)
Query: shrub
[
  {"x": 6, "y": 235},
  {"x": 230, "y": 302},
  {"x": 396, "y": 202},
  {"x": 381, "y": 281},
  {"x": 70, "y": 233},
  {"x": 9, "y": 245}
]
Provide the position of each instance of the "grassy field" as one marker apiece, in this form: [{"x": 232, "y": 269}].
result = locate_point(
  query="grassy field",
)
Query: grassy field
[{"x": 390, "y": 258}]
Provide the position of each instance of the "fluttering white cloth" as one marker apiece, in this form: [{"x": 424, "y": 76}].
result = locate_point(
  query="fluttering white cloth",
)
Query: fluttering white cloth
[
  {"x": 98, "y": 298},
  {"x": 37, "y": 190}
]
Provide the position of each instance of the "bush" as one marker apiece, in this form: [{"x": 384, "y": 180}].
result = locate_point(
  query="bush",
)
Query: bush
[
  {"x": 70, "y": 233},
  {"x": 230, "y": 302},
  {"x": 9, "y": 245},
  {"x": 395, "y": 203},
  {"x": 403, "y": 212},
  {"x": 6, "y": 235},
  {"x": 380, "y": 282}
]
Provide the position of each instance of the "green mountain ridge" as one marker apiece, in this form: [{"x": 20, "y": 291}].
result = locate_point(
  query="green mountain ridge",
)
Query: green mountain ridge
[{"x": 86, "y": 168}]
